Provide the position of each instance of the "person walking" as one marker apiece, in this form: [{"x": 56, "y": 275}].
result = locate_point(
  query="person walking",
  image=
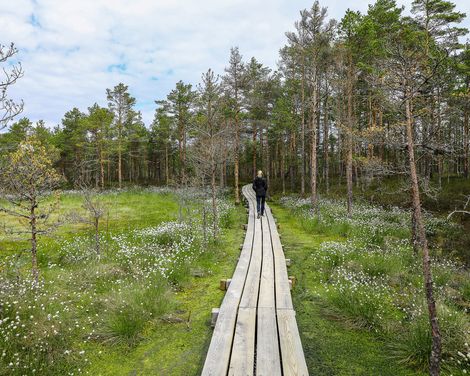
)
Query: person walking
[{"x": 260, "y": 186}]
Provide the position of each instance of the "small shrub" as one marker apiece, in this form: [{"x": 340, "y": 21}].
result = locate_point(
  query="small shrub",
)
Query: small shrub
[
  {"x": 154, "y": 299},
  {"x": 131, "y": 310},
  {"x": 412, "y": 346},
  {"x": 226, "y": 214},
  {"x": 363, "y": 299},
  {"x": 465, "y": 290},
  {"x": 380, "y": 264},
  {"x": 123, "y": 325}
]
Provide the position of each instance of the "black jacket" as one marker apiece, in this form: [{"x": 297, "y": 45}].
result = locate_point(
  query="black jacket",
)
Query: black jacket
[{"x": 260, "y": 186}]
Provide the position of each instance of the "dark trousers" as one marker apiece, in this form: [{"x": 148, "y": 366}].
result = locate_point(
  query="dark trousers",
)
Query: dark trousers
[{"x": 260, "y": 204}]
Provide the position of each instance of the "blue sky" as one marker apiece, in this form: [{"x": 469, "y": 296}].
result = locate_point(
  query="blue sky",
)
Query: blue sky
[{"x": 72, "y": 51}]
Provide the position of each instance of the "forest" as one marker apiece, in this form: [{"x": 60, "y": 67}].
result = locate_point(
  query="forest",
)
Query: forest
[{"x": 362, "y": 132}]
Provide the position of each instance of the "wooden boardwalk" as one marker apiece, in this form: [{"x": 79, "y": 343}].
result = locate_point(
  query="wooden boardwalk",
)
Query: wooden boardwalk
[{"x": 256, "y": 331}]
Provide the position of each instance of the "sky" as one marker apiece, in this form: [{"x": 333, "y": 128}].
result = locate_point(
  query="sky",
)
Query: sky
[{"x": 71, "y": 51}]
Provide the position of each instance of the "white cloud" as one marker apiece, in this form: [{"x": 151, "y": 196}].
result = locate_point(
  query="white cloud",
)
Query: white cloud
[{"x": 73, "y": 50}]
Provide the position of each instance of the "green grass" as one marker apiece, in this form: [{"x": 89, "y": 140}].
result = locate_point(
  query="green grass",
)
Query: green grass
[
  {"x": 125, "y": 210},
  {"x": 118, "y": 314},
  {"x": 449, "y": 196},
  {"x": 355, "y": 298},
  {"x": 179, "y": 348}
]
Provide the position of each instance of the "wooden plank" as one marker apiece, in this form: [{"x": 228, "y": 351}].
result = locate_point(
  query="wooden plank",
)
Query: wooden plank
[
  {"x": 218, "y": 355},
  {"x": 250, "y": 292},
  {"x": 283, "y": 296},
  {"x": 243, "y": 350},
  {"x": 293, "y": 359},
  {"x": 268, "y": 362},
  {"x": 219, "y": 349},
  {"x": 257, "y": 300},
  {"x": 266, "y": 294}
]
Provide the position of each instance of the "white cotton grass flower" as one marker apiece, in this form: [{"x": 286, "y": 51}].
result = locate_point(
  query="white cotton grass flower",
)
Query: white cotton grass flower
[{"x": 49, "y": 317}]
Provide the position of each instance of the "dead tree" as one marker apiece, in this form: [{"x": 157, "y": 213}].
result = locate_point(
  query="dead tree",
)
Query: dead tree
[
  {"x": 8, "y": 108},
  {"x": 211, "y": 136},
  {"x": 95, "y": 210},
  {"x": 461, "y": 211}
]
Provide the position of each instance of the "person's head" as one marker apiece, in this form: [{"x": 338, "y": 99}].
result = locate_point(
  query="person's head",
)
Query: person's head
[{"x": 260, "y": 173}]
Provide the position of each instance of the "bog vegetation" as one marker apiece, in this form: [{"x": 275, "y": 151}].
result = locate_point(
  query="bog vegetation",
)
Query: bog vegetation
[
  {"x": 370, "y": 109},
  {"x": 365, "y": 271},
  {"x": 85, "y": 301}
]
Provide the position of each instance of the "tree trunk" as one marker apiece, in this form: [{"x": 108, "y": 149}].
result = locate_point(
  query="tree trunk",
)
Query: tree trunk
[
  {"x": 466, "y": 158},
  {"x": 183, "y": 167},
  {"x": 439, "y": 138},
  {"x": 236, "y": 157},
  {"x": 313, "y": 149},
  {"x": 224, "y": 168},
  {"x": 108, "y": 165},
  {"x": 302, "y": 131},
  {"x": 119, "y": 148},
  {"x": 34, "y": 256},
  {"x": 101, "y": 169},
  {"x": 283, "y": 164},
  {"x": 167, "y": 168},
  {"x": 268, "y": 160},
  {"x": 255, "y": 128},
  {"x": 97, "y": 236},
  {"x": 434, "y": 366},
  {"x": 326, "y": 171},
  {"x": 221, "y": 175},
  {"x": 291, "y": 161},
  {"x": 349, "y": 143},
  {"x": 214, "y": 195},
  {"x": 120, "y": 165}
]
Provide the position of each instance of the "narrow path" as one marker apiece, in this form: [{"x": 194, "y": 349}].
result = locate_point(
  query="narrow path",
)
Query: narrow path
[{"x": 256, "y": 332}]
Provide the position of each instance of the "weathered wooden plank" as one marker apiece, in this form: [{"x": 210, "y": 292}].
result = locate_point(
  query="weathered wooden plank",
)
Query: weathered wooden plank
[
  {"x": 250, "y": 292},
  {"x": 268, "y": 362},
  {"x": 218, "y": 355},
  {"x": 243, "y": 350},
  {"x": 266, "y": 294},
  {"x": 293, "y": 359},
  {"x": 257, "y": 300},
  {"x": 283, "y": 296}
]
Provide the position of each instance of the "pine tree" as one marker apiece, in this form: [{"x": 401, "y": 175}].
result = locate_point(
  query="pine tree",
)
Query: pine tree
[
  {"x": 349, "y": 36},
  {"x": 97, "y": 126},
  {"x": 121, "y": 103},
  {"x": 407, "y": 54},
  {"x": 178, "y": 106},
  {"x": 255, "y": 99},
  {"x": 71, "y": 141},
  {"x": 234, "y": 81},
  {"x": 161, "y": 136}
]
